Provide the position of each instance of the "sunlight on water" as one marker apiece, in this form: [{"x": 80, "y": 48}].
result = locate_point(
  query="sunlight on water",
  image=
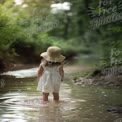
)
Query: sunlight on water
[
  {"x": 22, "y": 73},
  {"x": 19, "y": 106}
]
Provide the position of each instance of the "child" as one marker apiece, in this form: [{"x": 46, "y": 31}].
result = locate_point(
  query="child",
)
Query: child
[{"x": 50, "y": 73}]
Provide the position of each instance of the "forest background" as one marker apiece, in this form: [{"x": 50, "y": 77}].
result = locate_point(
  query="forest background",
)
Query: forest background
[{"x": 81, "y": 27}]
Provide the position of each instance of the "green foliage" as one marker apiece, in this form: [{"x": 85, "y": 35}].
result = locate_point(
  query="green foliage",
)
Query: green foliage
[
  {"x": 7, "y": 36},
  {"x": 19, "y": 35}
]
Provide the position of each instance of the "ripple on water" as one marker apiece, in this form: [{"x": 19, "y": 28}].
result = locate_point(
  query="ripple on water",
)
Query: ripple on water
[
  {"x": 49, "y": 112},
  {"x": 36, "y": 102}
]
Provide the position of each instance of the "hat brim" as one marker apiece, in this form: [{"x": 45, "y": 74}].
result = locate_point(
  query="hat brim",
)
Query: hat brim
[{"x": 60, "y": 58}]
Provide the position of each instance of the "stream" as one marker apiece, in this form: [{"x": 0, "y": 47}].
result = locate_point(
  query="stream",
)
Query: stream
[{"x": 20, "y": 102}]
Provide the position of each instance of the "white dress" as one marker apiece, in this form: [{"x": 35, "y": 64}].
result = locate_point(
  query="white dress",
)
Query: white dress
[{"x": 50, "y": 80}]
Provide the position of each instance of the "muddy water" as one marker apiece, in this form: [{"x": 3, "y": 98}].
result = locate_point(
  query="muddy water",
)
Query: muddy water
[{"x": 20, "y": 102}]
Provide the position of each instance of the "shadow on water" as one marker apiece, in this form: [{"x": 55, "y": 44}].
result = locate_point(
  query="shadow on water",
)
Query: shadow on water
[{"x": 20, "y": 102}]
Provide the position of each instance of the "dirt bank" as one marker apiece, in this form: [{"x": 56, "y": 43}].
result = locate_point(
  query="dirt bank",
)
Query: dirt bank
[
  {"x": 101, "y": 80},
  {"x": 109, "y": 76}
]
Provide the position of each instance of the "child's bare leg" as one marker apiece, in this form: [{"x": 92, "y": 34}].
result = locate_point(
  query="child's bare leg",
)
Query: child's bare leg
[
  {"x": 45, "y": 96},
  {"x": 56, "y": 96}
]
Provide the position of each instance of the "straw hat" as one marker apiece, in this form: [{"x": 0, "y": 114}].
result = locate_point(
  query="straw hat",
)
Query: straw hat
[{"x": 53, "y": 54}]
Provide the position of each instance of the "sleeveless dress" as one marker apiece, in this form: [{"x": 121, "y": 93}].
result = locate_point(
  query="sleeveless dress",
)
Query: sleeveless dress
[{"x": 50, "y": 80}]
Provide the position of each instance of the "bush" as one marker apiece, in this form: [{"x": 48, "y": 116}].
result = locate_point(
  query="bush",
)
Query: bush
[{"x": 7, "y": 37}]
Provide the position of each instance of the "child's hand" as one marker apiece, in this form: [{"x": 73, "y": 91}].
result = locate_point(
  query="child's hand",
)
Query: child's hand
[{"x": 62, "y": 79}]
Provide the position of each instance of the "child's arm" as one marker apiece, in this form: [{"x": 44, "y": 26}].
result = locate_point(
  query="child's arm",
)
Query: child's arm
[
  {"x": 40, "y": 71},
  {"x": 61, "y": 71}
]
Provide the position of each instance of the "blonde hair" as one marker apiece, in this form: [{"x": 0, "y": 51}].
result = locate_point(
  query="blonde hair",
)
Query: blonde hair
[{"x": 49, "y": 63}]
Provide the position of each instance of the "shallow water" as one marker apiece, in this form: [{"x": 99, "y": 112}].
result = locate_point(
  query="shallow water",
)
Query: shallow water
[{"x": 20, "y": 102}]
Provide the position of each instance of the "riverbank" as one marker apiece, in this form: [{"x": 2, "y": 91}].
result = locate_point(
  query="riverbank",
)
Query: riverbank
[
  {"x": 19, "y": 66},
  {"x": 110, "y": 76},
  {"x": 101, "y": 80}
]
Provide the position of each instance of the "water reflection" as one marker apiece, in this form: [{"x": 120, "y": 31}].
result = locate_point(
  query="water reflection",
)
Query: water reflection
[
  {"x": 50, "y": 113},
  {"x": 32, "y": 109}
]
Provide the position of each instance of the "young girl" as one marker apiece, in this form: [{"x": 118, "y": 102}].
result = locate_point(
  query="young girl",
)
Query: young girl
[{"x": 50, "y": 73}]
